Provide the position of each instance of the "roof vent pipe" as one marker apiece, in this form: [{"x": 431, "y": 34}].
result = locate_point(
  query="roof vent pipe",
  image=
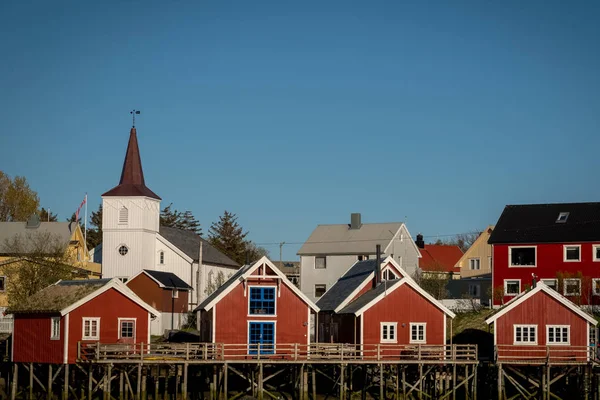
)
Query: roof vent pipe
[{"x": 378, "y": 264}]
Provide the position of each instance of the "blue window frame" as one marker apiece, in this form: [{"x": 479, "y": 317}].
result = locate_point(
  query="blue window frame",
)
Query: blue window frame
[
  {"x": 261, "y": 335},
  {"x": 262, "y": 301}
]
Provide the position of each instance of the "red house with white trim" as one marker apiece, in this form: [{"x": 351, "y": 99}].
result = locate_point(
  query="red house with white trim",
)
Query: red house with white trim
[
  {"x": 380, "y": 304},
  {"x": 541, "y": 324},
  {"x": 557, "y": 243},
  {"x": 49, "y": 325},
  {"x": 258, "y": 307}
]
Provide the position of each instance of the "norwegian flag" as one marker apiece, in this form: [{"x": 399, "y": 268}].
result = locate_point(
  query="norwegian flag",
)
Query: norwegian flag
[{"x": 79, "y": 209}]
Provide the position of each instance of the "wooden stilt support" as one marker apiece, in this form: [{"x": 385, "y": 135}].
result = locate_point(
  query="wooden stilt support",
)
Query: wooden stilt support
[
  {"x": 420, "y": 381},
  {"x": 314, "y": 383},
  {"x": 305, "y": 383},
  {"x": 342, "y": 383},
  {"x": 225, "y": 381},
  {"x": 156, "y": 383},
  {"x": 381, "y": 385},
  {"x": 30, "y": 381},
  {"x": 49, "y": 391},
  {"x": 185, "y": 382},
  {"x": 90, "y": 382},
  {"x": 138, "y": 389},
  {"x": 397, "y": 382},
  {"x": 213, "y": 390},
  {"x": 475, "y": 382},
  {"x": 260, "y": 382},
  {"x": 14, "y": 382},
  {"x": 500, "y": 382},
  {"x": 65, "y": 394},
  {"x": 121, "y": 380},
  {"x": 166, "y": 391},
  {"x": 404, "y": 382},
  {"x": 108, "y": 381},
  {"x": 143, "y": 391}
]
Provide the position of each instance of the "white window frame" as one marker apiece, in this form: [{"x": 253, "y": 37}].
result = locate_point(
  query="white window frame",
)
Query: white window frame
[
  {"x": 478, "y": 290},
  {"x": 54, "y": 334},
  {"x": 389, "y": 270},
  {"x": 565, "y": 287},
  {"x": 568, "y": 342},
  {"x": 388, "y": 325},
  {"x": 315, "y": 288},
  {"x": 506, "y": 285},
  {"x": 324, "y": 262},
  {"x": 553, "y": 280},
  {"x": 121, "y": 319},
  {"x": 472, "y": 261},
  {"x": 91, "y": 319},
  {"x": 594, "y": 292},
  {"x": 524, "y": 343},
  {"x": 594, "y": 247},
  {"x": 578, "y": 246},
  {"x": 417, "y": 325},
  {"x": 510, "y": 248}
]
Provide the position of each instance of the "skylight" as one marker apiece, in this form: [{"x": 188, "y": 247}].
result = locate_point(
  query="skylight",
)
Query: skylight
[{"x": 562, "y": 217}]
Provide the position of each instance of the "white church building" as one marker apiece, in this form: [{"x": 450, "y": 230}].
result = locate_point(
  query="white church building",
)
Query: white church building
[{"x": 133, "y": 240}]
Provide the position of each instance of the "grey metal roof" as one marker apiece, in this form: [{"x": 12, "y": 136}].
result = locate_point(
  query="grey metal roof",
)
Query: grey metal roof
[
  {"x": 61, "y": 230},
  {"x": 340, "y": 239},
  {"x": 223, "y": 287},
  {"x": 168, "y": 279},
  {"x": 189, "y": 243},
  {"x": 347, "y": 284},
  {"x": 366, "y": 298}
]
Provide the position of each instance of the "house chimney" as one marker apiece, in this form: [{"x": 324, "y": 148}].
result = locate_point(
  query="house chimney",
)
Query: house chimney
[
  {"x": 34, "y": 222},
  {"x": 355, "y": 221},
  {"x": 378, "y": 264},
  {"x": 420, "y": 242}
]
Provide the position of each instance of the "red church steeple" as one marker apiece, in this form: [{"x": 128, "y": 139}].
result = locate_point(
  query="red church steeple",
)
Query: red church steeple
[{"x": 132, "y": 177}]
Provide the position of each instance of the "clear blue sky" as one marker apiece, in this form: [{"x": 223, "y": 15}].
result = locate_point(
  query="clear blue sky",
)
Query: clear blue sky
[{"x": 293, "y": 114}]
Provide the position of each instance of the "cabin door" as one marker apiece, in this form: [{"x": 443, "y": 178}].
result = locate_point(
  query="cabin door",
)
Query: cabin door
[
  {"x": 261, "y": 335},
  {"x": 127, "y": 330}
]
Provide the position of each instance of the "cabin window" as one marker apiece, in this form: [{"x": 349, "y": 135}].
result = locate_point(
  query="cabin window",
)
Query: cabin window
[
  {"x": 127, "y": 329},
  {"x": 551, "y": 283},
  {"x": 474, "y": 264},
  {"x": 474, "y": 290},
  {"x": 91, "y": 329},
  {"x": 572, "y": 253},
  {"x": 418, "y": 333},
  {"x": 512, "y": 287},
  {"x": 572, "y": 287},
  {"x": 388, "y": 275},
  {"x": 320, "y": 290},
  {"x": 161, "y": 257},
  {"x": 55, "y": 328},
  {"x": 525, "y": 334},
  {"x": 388, "y": 332},
  {"x": 123, "y": 250},
  {"x": 596, "y": 286},
  {"x": 596, "y": 250},
  {"x": 522, "y": 256},
  {"x": 175, "y": 293},
  {"x": 320, "y": 262},
  {"x": 2, "y": 284},
  {"x": 558, "y": 334},
  {"x": 123, "y": 215},
  {"x": 262, "y": 301}
]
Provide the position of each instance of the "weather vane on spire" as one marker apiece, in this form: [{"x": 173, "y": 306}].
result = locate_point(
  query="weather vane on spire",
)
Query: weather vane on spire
[{"x": 134, "y": 112}]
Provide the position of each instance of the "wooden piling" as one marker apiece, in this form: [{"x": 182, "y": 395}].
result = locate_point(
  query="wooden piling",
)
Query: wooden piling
[
  {"x": 108, "y": 381},
  {"x": 314, "y": 382},
  {"x": 342, "y": 383},
  {"x": 49, "y": 387},
  {"x": 156, "y": 383},
  {"x": 185, "y": 381},
  {"x": 138, "y": 389},
  {"x": 121, "y": 397},
  {"x": 90, "y": 382},
  {"x": 143, "y": 391},
  {"x": 381, "y": 384},
  {"x": 30, "y": 381},
  {"x": 14, "y": 383},
  {"x": 65, "y": 394},
  {"x": 225, "y": 376},
  {"x": 499, "y": 381}
]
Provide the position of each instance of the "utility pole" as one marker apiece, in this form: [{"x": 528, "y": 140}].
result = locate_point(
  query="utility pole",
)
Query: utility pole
[{"x": 280, "y": 254}]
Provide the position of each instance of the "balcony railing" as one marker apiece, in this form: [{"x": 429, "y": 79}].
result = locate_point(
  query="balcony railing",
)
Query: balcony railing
[
  {"x": 288, "y": 352},
  {"x": 558, "y": 354}
]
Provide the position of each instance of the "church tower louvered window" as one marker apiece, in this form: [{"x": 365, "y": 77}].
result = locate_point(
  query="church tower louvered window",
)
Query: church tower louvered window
[{"x": 123, "y": 216}]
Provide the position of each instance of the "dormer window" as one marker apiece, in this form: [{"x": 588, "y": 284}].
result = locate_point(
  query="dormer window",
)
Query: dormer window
[
  {"x": 388, "y": 275},
  {"x": 123, "y": 216},
  {"x": 562, "y": 217}
]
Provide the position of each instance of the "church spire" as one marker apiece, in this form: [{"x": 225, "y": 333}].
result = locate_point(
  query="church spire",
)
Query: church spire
[{"x": 132, "y": 176}]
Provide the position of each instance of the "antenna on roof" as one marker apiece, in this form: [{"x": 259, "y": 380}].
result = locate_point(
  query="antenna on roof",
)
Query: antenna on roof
[{"x": 134, "y": 112}]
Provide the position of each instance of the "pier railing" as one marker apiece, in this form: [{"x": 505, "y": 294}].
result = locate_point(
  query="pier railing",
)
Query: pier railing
[
  {"x": 557, "y": 354},
  {"x": 288, "y": 352}
]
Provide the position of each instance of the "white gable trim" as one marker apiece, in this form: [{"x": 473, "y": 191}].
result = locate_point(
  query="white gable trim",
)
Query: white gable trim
[
  {"x": 148, "y": 275},
  {"x": 120, "y": 287},
  {"x": 263, "y": 261},
  {"x": 174, "y": 248},
  {"x": 368, "y": 279},
  {"x": 413, "y": 285},
  {"x": 541, "y": 287},
  {"x": 408, "y": 237},
  {"x": 390, "y": 260}
]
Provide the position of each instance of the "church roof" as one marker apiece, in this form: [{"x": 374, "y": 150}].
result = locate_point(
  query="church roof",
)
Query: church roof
[
  {"x": 132, "y": 177},
  {"x": 189, "y": 243}
]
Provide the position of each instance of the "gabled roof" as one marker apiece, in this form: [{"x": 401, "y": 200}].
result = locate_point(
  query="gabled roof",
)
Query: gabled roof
[
  {"x": 537, "y": 223},
  {"x": 63, "y": 231},
  {"x": 241, "y": 275},
  {"x": 132, "y": 176},
  {"x": 481, "y": 239},
  {"x": 340, "y": 239},
  {"x": 166, "y": 280},
  {"x": 348, "y": 286},
  {"x": 440, "y": 258},
  {"x": 189, "y": 243},
  {"x": 541, "y": 287},
  {"x": 65, "y": 296},
  {"x": 372, "y": 297}
]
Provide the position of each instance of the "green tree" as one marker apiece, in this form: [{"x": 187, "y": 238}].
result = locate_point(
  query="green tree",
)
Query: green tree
[
  {"x": 180, "y": 220},
  {"x": 40, "y": 260},
  {"x": 47, "y": 215},
  {"x": 229, "y": 237},
  {"x": 17, "y": 200},
  {"x": 255, "y": 252},
  {"x": 94, "y": 233}
]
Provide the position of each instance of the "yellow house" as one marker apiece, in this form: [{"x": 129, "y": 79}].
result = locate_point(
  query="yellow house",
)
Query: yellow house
[
  {"x": 477, "y": 260},
  {"x": 67, "y": 233}
]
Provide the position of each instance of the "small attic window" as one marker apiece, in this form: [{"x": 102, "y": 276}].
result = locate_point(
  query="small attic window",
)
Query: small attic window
[{"x": 562, "y": 217}]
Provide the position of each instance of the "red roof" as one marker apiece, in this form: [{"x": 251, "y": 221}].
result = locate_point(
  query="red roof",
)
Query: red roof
[
  {"x": 132, "y": 177},
  {"x": 440, "y": 258}
]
